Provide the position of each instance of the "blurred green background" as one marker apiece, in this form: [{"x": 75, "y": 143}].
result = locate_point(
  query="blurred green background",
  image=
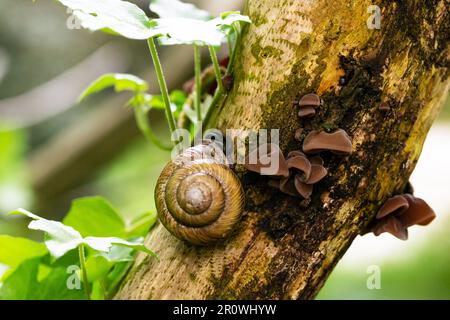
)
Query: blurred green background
[{"x": 52, "y": 151}]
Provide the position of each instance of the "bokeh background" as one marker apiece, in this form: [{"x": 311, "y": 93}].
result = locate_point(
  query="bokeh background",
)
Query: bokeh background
[{"x": 53, "y": 150}]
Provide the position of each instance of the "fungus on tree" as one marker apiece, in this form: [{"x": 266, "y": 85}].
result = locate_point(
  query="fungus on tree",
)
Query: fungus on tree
[
  {"x": 308, "y": 103},
  {"x": 337, "y": 142},
  {"x": 257, "y": 160},
  {"x": 399, "y": 213}
]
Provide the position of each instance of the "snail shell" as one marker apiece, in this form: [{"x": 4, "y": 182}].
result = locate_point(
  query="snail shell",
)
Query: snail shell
[{"x": 198, "y": 197}]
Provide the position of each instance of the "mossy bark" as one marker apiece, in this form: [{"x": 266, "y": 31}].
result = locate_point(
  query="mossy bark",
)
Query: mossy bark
[{"x": 285, "y": 248}]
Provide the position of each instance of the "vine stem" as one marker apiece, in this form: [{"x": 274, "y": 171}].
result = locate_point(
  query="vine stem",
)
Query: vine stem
[
  {"x": 216, "y": 98},
  {"x": 162, "y": 85},
  {"x": 216, "y": 66},
  {"x": 233, "y": 52},
  {"x": 198, "y": 82},
  {"x": 143, "y": 124},
  {"x": 83, "y": 270}
]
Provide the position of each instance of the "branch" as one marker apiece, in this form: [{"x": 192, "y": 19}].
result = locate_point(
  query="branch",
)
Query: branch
[{"x": 284, "y": 247}]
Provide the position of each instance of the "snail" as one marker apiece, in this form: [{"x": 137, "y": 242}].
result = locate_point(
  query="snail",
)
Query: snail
[{"x": 198, "y": 197}]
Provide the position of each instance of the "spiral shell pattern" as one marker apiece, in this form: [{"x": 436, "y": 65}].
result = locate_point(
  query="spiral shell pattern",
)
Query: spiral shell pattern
[{"x": 199, "y": 199}]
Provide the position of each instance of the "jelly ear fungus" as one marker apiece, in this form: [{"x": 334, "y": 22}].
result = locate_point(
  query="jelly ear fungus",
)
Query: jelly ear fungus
[
  {"x": 307, "y": 104},
  {"x": 399, "y": 213}
]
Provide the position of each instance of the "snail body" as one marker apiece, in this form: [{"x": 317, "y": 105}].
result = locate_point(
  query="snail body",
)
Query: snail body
[{"x": 198, "y": 197}]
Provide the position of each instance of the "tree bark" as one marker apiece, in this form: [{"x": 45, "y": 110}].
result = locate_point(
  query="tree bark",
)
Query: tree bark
[{"x": 284, "y": 248}]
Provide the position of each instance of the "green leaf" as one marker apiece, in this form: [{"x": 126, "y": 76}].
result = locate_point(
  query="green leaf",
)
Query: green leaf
[
  {"x": 116, "y": 275},
  {"x": 118, "y": 254},
  {"x": 23, "y": 284},
  {"x": 188, "y": 31},
  {"x": 192, "y": 31},
  {"x": 121, "y": 17},
  {"x": 105, "y": 244},
  {"x": 192, "y": 114},
  {"x": 94, "y": 216},
  {"x": 227, "y": 19},
  {"x": 120, "y": 82},
  {"x": 54, "y": 287},
  {"x": 178, "y": 9},
  {"x": 61, "y": 238},
  {"x": 180, "y": 23},
  {"x": 178, "y": 97},
  {"x": 140, "y": 226},
  {"x": 97, "y": 267},
  {"x": 14, "y": 250},
  {"x": 147, "y": 101},
  {"x": 98, "y": 291}
]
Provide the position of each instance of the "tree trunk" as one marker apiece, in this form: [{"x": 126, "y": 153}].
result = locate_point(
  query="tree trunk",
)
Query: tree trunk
[{"x": 284, "y": 248}]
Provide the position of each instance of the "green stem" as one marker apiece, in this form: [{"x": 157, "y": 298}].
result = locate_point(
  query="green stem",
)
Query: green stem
[
  {"x": 162, "y": 85},
  {"x": 143, "y": 124},
  {"x": 233, "y": 52},
  {"x": 217, "y": 96},
  {"x": 198, "y": 82},
  {"x": 216, "y": 66},
  {"x": 83, "y": 270},
  {"x": 230, "y": 44}
]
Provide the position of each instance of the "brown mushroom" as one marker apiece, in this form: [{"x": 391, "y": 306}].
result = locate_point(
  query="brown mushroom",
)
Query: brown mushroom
[
  {"x": 337, "y": 142},
  {"x": 400, "y": 212},
  {"x": 318, "y": 172},
  {"x": 304, "y": 189},
  {"x": 384, "y": 106},
  {"x": 307, "y": 105},
  {"x": 298, "y": 134},
  {"x": 395, "y": 206},
  {"x": 419, "y": 212},
  {"x": 310, "y": 100},
  {"x": 298, "y": 160},
  {"x": 264, "y": 161},
  {"x": 306, "y": 112},
  {"x": 392, "y": 225},
  {"x": 292, "y": 186}
]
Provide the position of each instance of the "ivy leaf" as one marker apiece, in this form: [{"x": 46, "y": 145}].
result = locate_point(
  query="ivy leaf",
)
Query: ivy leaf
[
  {"x": 14, "y": 251},
  {"x": 97, "y": 267},
  {"x": 23, "y": 284},
  {"x": 227, "y": 19},
  {"x": 94, "y": 216},
  {"x": 120, "y": 82},
  {"x": 140, "y": 226},
  {"x": 120, "y": 17},
  {"x": 180, "y": 23},
  {"x": 105, "y": 244},
  {"x": 147, "y": 101},
  {"x": 178, "y": 9},
  {"x": 188, "y": 31},
  {"x": 61, "y": 239},
  {"x": 184, "y": 23},
  {"x": 178, "y": 97},
  {"x": 191, "y": 31},
  {"x": 118, "y": 254}
]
